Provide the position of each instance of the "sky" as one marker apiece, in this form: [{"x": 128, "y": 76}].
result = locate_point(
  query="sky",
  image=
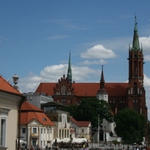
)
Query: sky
[{"x": 36, "y": 38}]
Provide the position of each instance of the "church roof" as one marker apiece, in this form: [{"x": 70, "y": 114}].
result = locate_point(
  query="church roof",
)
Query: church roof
[
  {"x": 87, "y": 89},
  {"x": 5, "y": 86},
  {"x": 30, "y": 112}
]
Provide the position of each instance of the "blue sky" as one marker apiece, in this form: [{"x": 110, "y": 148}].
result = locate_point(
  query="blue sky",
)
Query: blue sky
[{"x": 36, "y": 38}]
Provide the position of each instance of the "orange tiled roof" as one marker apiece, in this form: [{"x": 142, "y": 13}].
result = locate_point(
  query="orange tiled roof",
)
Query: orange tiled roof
[
  {"x": 29, "y": 112},
  {"x": 80, "y": 123},
  {"x": 7, "y": 87},
  {"x": 87, "y": 89}
]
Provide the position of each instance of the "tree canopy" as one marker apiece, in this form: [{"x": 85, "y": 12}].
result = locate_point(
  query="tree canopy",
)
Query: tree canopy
[
  {"x": 89, "y": 109},
  {"x": 130, "y": 125}
]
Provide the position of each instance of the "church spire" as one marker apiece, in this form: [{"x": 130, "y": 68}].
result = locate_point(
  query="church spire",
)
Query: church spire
[
  {"x": 102, "y": 81},
  {"x": 135, "y": 44},
  {"x": 102, "y": 94},
  {"x": 69, "y": 73}
]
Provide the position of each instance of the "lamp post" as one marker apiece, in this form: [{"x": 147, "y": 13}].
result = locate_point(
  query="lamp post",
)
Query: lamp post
[{"x": 105, "y": 135}]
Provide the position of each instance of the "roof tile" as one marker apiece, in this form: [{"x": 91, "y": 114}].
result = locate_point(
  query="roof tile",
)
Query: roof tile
[
  {"x": 29, "y": 112},
  {"x": 7, "y": 87}
]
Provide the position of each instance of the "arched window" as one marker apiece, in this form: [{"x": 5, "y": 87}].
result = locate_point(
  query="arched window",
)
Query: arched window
[
  {"x": 135, "y": 68},
  {"x": 140, "y": 69},
  {"x": 135, "y": 88},
  {"x": 136, "y": 105},
  {"x": 63, "y": 90}
]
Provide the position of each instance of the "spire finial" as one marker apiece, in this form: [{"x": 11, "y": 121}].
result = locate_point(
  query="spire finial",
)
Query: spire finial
[{"x": 135, "y": 44}]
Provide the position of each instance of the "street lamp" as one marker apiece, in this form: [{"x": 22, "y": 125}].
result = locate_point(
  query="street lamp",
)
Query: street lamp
[{"x": 98, "y": 129}]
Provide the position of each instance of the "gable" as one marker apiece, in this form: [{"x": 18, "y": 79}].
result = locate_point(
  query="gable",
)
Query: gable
[
  {"x": 80, "y": 123},
  {"x": 34, "y": 122}
]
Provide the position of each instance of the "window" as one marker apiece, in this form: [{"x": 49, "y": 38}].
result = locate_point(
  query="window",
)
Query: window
[
  {"x": 3, "y": 132},
  {"x": 41, "y": 131},
  {"x": 63, "y": 90},
  {"x": 23, "y": 130},
  {"x": 44, "y": 119},
  {"x": 135, "y": 88},
  {"x": 63, "y": 101},
  {"x": 34, "y": 130},
  {"x": 82, "y": 130},
  {"x": 3, "y": 125}
]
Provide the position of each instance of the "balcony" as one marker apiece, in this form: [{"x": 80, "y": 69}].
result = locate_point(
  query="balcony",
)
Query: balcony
[{"x": 34, "y": 135}]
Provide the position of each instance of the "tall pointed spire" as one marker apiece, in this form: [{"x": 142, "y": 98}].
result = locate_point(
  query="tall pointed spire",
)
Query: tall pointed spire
[
  {"x": 135, "y": 44},
  {"x": 102, "y": 81},
  {"x": 69, "y": 73},
  {"x": 102, "y": 94}
]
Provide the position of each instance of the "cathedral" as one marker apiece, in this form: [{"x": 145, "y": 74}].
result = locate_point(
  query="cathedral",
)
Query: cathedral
[{"x": 119, "y": 95}]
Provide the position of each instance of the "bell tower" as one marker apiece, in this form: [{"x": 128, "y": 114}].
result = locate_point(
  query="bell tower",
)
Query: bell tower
[
  {"x": 136, "y": 59},
  {"x": 102, "y": 94},
  {"x": 136, "y": 91}
]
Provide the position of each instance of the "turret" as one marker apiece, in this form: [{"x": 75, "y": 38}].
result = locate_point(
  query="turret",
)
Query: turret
[{"x": 102, "y": 94}]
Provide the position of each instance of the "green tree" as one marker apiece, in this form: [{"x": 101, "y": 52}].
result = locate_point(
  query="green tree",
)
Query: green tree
[
  {"x": 148, "y": 132},
  {"x": 130, "y": 125},
  {"x": 89, "y": 109},
  {"x": 71, "y": 109}
]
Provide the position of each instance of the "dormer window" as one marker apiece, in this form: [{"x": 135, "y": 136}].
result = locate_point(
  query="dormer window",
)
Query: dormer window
[{"x": 44, "y": 119}]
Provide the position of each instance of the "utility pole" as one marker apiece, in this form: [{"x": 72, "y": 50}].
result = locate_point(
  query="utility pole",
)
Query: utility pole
[{"x": 98, "y": 130}]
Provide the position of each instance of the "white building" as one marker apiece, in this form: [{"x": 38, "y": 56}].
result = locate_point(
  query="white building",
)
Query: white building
[
  {"x": 80, "y": 129},
  {"x": 36, "y": 128},
  {"x": 59, "y": 117},
  {"x": 10, "y": 99},
  {"x": 37, "y": 99},
  {"x": 104, "y": 134}
]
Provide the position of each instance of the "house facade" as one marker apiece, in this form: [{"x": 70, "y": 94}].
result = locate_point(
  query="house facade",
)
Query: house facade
[
  {"x": 36, "y": 128},
  {"x": 60, "y": 118},
  {"x": 10, "y": 99},
  {"x": 80, "y": 129}
]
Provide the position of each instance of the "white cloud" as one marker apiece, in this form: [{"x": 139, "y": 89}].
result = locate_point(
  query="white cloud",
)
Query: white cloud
[
  {"x": 53, "y": 73},
  {"x": 82, "y": 74},
  {"x": 147, "y": 57},
  {"x": 145, "y": 41},
  {"x": 95, "y": 62},
  {"x": 98, "y": 52},
  {"x": 147, "y": 88}
]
